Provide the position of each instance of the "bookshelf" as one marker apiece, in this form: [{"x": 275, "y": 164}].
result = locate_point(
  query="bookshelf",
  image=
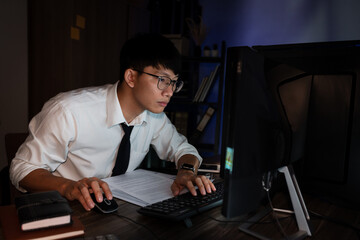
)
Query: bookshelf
[
  {"x": 187, "y": 115},
  {"x": 199, "y": 103}
]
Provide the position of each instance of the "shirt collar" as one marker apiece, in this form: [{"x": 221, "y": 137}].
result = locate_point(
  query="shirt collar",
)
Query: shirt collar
[
  {"x": 114, "y": 112},
  {"x": 140, "y": 119},
  {"x": 113, "y": 109}
]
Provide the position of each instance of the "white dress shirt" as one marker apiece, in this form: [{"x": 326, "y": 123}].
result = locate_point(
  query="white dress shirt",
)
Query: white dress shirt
[{"x": 77, "y": 135}]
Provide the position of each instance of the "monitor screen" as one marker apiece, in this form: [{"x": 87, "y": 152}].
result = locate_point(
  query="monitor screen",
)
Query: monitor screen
[{"x": 284, "y": 105}]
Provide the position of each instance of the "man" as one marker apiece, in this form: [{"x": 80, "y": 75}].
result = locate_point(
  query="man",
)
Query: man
[{"x": 73, "y": 142}]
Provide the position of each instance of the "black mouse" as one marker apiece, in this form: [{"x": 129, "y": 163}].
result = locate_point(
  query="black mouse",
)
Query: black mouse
[{"x": 106, "y": 206}]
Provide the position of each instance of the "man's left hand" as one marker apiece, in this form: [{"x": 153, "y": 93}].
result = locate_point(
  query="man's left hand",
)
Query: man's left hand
[{"x": 188, "y": 179}]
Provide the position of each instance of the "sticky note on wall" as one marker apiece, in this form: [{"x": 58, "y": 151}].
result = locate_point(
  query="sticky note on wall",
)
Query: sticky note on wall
[
  {"x": 80, "y": 21},
  {"x": 75, "y": 33}
]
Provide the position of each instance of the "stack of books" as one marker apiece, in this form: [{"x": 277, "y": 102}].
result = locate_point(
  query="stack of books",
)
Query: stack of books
[{"x": 44, "y": 215}]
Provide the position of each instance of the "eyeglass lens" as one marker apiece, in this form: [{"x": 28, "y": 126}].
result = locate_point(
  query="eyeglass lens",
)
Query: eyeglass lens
[{"x": 165, "y": 82}]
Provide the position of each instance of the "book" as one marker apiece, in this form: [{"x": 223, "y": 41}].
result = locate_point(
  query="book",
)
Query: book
[
  {"x": 205, "y": 119},
  {"x": 11, "y": 230},
  {"x": 208, "y": 84},
  {"x": 201, "y": 125},
  {"x": 42, "y": 210},
  {"x": 205, "y": 85},
  {"x": 200, "y": 89}
]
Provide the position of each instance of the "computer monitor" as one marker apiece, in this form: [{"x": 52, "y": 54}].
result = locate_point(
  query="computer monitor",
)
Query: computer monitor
[
  {"x": 254, "y": 138},
  {"x": 283, "y": 104}
]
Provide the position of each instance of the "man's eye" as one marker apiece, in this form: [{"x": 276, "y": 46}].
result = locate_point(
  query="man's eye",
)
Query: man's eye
[{"x": 165, "y": 80}]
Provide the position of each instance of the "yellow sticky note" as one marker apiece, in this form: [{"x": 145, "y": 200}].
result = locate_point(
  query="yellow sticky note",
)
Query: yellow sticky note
[
  {"x": 75, "y": 33},
  {"x": 80, "y": 21}
]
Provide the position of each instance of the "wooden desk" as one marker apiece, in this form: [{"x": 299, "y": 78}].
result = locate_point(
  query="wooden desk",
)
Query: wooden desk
[
  {"x": 205, "y": 227},
  {"x": 99, "y": 224}
]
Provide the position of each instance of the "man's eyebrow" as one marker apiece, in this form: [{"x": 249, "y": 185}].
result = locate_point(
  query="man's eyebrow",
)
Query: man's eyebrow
[{"x": 161, "y": 73}]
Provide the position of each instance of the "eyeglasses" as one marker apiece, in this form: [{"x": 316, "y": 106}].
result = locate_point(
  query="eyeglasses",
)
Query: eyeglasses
[{"x": 164, "y": 82}]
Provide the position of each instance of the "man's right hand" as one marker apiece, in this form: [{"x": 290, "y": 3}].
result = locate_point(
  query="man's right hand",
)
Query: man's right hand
[
  {"x": 42, "y": 180},
  {"x": 82, "y": 189}
]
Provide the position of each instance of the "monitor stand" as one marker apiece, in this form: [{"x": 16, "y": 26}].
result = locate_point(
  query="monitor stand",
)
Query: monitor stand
[{"x": 301, "y": 213}]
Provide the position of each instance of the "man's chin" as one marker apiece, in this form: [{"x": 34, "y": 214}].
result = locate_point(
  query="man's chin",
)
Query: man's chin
[{"x": 156, "y": 110}]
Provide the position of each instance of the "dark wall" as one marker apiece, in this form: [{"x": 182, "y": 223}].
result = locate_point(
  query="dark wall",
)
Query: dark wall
[{"x": 254, "y": 22}]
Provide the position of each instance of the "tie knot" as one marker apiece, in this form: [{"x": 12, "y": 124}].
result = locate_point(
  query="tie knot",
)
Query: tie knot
[{"x": 127, "y": 129}]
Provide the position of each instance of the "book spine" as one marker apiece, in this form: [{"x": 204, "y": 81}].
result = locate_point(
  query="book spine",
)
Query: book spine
[
  {"x": 200, "y": 89},
  {"x": 202, "y": 124},
  {"x": 205, "y": 119}
]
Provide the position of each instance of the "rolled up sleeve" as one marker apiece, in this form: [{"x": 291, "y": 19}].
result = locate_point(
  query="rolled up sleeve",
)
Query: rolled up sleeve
[
  {"x": 46, "y": 146},
  {"x": 169, "y": 144}
]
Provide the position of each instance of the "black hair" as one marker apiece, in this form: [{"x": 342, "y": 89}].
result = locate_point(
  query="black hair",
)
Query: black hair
[{"x": 149, "y": 49}]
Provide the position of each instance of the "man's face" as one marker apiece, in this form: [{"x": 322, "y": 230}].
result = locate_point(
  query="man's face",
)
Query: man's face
[{"x": 146, "y": 91}]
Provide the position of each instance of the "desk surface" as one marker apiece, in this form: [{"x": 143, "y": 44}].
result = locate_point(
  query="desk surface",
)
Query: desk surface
[
  {"x": 205, "y": 227},
  {"x": 147, "y": 227}
]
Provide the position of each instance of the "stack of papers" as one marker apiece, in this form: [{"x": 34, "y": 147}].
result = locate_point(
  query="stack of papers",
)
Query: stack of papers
[{"x": 141, "y": 187}]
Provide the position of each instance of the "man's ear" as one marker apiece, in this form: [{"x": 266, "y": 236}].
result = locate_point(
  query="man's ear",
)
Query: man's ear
[{"x": 129, "y": 77}]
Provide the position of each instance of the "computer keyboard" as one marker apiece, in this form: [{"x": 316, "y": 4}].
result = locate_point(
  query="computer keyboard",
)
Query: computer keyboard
[{"x": 184, "y": 206}]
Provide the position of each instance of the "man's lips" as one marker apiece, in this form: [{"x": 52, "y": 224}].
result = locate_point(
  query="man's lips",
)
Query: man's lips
[{"x": 163, "y": 104}]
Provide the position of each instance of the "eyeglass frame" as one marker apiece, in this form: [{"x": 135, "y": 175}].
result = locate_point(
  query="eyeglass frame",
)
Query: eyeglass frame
[{"x": 172, "y": 82}]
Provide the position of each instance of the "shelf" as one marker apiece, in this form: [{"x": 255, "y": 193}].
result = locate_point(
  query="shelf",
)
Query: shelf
[
  {"x": 196, "y": 120},
  {"x": 194, "y": 70}
]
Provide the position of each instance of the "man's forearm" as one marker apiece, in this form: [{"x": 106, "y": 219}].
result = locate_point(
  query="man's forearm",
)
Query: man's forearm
[{"x": 43, "y": 180}]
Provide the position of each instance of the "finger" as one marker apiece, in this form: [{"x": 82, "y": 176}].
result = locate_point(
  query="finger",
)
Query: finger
[
  {"x": 212, "y": 186},
  {"x": 175, "y": 189},
  {"x": 74, "y": 193},
  {"x": 84, "y": 203},
  {"x": 86, "y": 195},
  {"x": 94, "y": 183},
  {"x": 200, "y": 185},
  {"x": 207, "y": 184},
  {"x": 191, "y": 188},
  {"x": 106, "y": 189}
]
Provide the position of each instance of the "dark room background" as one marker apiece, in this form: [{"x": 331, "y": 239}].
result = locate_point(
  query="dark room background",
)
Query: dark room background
[
  {"x": 257, "y": 22},
  {"x": 238, "y": 22}
]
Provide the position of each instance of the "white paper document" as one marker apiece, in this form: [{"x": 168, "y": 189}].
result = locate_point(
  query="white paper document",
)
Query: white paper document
[{"x": 141, "y": 187}]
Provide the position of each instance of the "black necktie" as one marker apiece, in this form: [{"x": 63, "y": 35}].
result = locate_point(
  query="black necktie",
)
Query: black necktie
[{"x": 122, "y": 159}]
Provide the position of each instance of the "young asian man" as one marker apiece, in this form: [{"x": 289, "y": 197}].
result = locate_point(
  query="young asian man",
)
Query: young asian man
[{"x": 73, "y": 142}]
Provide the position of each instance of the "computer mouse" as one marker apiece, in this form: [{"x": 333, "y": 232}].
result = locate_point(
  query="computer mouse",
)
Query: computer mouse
[{"x": 106, "y": 206}]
